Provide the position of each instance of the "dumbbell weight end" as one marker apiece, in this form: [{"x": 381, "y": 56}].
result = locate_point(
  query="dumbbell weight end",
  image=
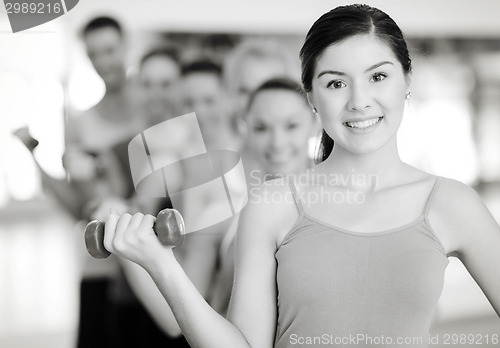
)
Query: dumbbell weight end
[{"x": 169, "y": 227}]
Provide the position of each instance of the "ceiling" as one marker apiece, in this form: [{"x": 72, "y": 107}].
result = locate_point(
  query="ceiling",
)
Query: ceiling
[{"x": 441, "y": 18}]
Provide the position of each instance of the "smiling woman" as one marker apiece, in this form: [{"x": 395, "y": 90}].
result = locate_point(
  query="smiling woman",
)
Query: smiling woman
[
  {"x": 279, "y": 126},
  {"x": 362, "y": 82},
  {"x": 390, "y": 44}
]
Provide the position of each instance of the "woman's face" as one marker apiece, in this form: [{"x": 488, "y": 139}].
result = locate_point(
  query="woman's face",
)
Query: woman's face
[
  {"x": 359, "y": 91},
  {"x": 105, "y": 49},
  {"x": 203, "y": 93},
  {"x": 158, "y": 75},
  {"x": 280, "y": 124}
]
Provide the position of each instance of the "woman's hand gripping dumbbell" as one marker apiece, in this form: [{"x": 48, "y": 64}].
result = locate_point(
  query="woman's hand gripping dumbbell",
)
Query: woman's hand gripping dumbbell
[{"x": 168, "y": 226}]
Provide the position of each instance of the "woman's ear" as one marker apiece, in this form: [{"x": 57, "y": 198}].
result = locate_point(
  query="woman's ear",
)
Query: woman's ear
[
  {"x": 311, "y": 103},
  {"x": 317, "y": 127},
  {"x": 408, "y": 83}
]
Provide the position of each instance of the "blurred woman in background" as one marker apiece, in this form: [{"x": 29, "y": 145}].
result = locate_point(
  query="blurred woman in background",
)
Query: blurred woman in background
[
  {"x": 279, "y": 126},
  {"x": 247, "y": 66}
]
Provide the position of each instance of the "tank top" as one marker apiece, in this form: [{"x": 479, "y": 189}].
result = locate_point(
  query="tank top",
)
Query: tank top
[{"x": 338, "y": 288}]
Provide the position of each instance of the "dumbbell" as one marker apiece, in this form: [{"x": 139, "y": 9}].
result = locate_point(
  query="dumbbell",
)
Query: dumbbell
[
  {"x": 169, "y": 227},
  {"x": 24, "y": 135}
]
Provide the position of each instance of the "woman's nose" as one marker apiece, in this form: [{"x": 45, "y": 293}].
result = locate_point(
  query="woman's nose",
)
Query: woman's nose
[
  {"x": 359, "y": 99},
  {"x": 278, "y": 138}
]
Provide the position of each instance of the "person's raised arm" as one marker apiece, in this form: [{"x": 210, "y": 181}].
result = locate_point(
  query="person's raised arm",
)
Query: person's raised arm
[
  {"x": 471, "y": 234},
  {"x": 252, "y": 318},
  {"x": 147, "y": 292},
  {"x": 197, "y": 259},
  {"x": 61, "y": 189}
]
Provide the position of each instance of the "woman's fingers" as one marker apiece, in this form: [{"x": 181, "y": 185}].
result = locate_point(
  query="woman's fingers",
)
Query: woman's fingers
[
  {"x": 135, "y": 221},
  {"x": 131, "y": 237},
  {"x": 147, "y": 222},
  {"x": 123, "y": 224},
  {"x": 109, "y": 230},
  {"x": 123, "y": 230}
]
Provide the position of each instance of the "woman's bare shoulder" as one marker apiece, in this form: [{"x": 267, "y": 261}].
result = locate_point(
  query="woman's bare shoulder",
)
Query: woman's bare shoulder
[
  {"x": 456, "y": 213},
  {"x": 449, "y": 194},
  {"x": 271, "y": 210},
  {"x": 456, "y": 192}
]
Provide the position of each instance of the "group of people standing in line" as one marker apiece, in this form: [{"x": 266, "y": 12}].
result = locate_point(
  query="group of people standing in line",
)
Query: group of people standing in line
[{"x": 119, "y": 302}]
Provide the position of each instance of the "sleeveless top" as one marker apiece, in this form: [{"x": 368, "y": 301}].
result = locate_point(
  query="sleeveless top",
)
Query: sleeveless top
[{"x": 338, "y": 288}]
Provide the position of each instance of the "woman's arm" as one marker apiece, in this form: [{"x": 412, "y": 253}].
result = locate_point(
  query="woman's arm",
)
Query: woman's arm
[
  {"x": 147, "y": 292},
  {"x": 62, "y": 189},
  {"x": 469, "y": 232},
  {"x": 132, "y": 237},
  {"x": 197, "y": 256},
  {"x": 198, "y": 261},
  {"x": 223, "y": 279},
  {"x": 255, "y": 275},
  {"x": 252, "y": 319}
]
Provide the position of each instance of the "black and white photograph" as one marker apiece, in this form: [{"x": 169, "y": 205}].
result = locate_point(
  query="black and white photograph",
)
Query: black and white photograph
[{"x": 249, "y": 174}]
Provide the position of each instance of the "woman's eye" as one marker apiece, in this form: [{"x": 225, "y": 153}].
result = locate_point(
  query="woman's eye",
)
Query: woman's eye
[
  {"x": 292, "y": 126},
  {"x": 336, "y": 84},
  {"x": 259, "y": 128},
  {"x": 378, "y": 77}
]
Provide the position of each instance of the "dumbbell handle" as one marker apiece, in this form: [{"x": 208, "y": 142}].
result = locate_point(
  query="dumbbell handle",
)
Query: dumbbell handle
[{"x": 169, "y": 227}]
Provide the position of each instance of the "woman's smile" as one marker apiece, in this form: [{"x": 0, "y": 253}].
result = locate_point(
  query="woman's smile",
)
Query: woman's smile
[
  {"x": 363, "y": 125},
  {"x": 280, "y": 156}
]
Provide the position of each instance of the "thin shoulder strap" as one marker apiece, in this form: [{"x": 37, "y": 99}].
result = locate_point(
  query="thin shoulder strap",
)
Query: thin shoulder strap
[
  {"x": 431, "y": 195},
  {"x": 296, "y": 196}
]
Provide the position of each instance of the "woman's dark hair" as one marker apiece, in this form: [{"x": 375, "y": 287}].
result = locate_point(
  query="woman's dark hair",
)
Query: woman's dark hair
[
  {"x": 100, "y": 23},
  {"x": 167, "y": 52},
  {"x": 280, "y": 83},
  {"x": 202, "y": 66},
  {"x": 339, "y": 24}
]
